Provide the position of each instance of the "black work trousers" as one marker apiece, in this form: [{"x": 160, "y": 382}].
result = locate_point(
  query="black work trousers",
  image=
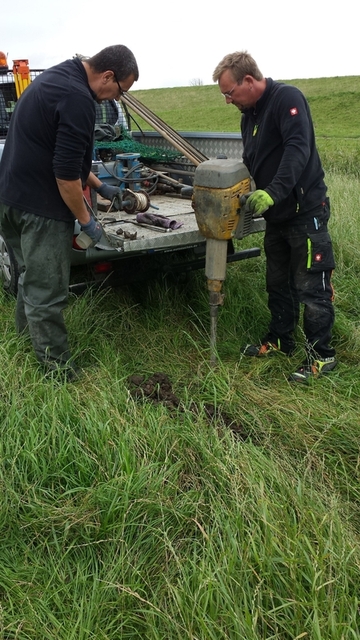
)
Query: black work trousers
[
  {"x": 299, "y": 264},
  {"x": 42, "y": 248}
]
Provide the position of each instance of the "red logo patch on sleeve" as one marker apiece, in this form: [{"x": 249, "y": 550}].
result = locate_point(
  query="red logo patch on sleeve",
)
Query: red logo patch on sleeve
[{"x": 294, "y": 111}]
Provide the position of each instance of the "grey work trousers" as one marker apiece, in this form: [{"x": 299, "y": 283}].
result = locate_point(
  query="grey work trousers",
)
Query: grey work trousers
[{"x": 42, "y": 248}]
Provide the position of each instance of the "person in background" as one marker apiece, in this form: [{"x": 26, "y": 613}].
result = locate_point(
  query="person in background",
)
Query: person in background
[
  {"x": 281, "y": 156},
  {"x": 45, "y": 165}
]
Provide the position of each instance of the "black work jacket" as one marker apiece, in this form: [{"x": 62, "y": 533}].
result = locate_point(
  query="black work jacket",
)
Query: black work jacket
[
  {"x": 50, "y": 136},
  {"x": 280, "y": 151}
]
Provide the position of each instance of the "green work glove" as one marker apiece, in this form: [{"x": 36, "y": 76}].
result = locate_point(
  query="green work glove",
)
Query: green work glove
[{"x": 259, "y": 202}]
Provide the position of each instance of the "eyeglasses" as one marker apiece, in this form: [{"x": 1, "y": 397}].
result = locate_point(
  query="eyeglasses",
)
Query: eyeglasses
[
  {"x": 118, "y": 84},
  {"x": 228, "y": 93}
]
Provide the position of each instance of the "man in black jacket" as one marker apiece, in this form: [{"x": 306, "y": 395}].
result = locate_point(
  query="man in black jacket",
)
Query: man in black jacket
[
  {"x": 281, "y": 156},
  {"x": 45, "y": 166}
]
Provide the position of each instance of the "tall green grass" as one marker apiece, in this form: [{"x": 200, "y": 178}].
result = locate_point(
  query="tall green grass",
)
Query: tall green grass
[
  {"x": 121, "y": 519},
  {"x": 125, "y": 519}
]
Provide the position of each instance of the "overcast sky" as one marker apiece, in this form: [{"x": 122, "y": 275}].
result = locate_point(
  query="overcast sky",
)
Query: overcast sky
[{"x": 178, "y": 42}]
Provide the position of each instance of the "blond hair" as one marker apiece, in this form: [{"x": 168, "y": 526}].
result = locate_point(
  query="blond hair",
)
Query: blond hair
[{"x": 240, "y": 64}]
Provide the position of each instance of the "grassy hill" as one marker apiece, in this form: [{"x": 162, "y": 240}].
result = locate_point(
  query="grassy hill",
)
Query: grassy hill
[
  {"x": 204, "y": 109},
  {"x": 334, "y": 104}
]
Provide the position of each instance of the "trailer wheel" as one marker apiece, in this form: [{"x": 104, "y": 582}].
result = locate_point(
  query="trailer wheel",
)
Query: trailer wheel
[{"x": 8, "y": 267}]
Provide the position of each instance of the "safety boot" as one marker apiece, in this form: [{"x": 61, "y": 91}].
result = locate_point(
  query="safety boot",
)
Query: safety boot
[{"x": 313, "y": 369}]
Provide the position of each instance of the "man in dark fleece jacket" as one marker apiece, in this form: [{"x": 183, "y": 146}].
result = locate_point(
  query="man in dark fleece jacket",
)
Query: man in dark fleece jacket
[
  {"x": 281, "y": 156},
  {"x": 44, "y": 168}
]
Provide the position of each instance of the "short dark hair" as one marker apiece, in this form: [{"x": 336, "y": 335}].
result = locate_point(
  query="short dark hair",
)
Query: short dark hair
[{"x": 116, "y": 58}]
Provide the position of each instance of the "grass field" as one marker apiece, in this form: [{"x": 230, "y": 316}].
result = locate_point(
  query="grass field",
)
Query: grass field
[
  {"x": 230, "y": 514},
  {"x": 333, "y": 101}
]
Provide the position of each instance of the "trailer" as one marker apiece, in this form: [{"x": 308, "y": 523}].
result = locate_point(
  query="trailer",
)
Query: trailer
[{"x": 160, "y": 165}]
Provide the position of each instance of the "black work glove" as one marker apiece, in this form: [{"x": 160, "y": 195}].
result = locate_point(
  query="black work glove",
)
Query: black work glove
[
  {"x": 93, "y": 229},
  {"x": 109, "y": 192}
]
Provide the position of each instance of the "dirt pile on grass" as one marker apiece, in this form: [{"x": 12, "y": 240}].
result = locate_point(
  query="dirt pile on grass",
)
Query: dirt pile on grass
[{"x": 158, "y": 390}]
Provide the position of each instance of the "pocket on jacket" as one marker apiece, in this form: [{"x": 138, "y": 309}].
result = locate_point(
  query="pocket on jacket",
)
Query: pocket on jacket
[{"x": 320, "y": 256}]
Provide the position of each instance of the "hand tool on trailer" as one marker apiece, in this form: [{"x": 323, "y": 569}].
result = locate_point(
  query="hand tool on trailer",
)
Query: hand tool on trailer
[{"x": 144, "y": 226}]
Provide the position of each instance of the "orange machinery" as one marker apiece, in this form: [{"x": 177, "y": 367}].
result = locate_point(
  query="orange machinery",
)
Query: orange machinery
[{"x": 21, "y": 74}]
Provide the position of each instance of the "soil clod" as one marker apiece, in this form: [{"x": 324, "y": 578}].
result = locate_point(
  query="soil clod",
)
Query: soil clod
[{"x": 158, "y": 389}]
